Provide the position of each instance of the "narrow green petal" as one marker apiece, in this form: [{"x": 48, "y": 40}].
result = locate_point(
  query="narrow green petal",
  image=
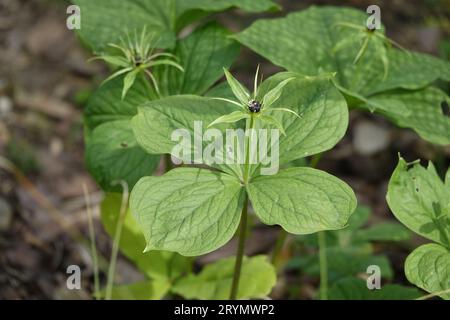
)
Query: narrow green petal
[
  {"x": 230, "y": 118},
  {"x": 238, "y": 89},
  {"x": 274, "y": 94}
]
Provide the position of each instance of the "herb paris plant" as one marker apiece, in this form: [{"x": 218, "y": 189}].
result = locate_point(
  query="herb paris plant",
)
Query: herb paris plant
[
  {"x": 421, "y": 201},
  {"x": 194, "y": 211}
]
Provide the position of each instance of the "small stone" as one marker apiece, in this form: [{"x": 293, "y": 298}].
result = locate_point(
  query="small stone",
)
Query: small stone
[{"x": 370, "y": 138}]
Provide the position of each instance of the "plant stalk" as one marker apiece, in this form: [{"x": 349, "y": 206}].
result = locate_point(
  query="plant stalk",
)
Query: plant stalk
[
  {"x": 323, "y": 265},
  {"x": 115, "y": 247},
  {"x": 240, "y": 251}
]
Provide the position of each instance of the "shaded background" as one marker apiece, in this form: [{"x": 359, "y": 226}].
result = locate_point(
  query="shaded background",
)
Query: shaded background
[{"x": 44, "y": 83}]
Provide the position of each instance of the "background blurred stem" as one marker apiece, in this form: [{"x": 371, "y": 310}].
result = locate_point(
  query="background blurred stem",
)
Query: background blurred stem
[{"x": 117, "y": 236}]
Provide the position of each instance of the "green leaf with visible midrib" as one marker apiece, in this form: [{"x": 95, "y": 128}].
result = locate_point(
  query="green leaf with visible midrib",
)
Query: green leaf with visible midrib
[
  {"x": 258, "y": 277},
  {"x": 302, "y": 200},
  {"x": 190, "y": 211}
]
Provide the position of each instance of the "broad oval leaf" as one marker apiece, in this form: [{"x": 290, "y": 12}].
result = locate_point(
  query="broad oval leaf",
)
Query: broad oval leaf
[
  {"x": 112, "y": 154},
  {"x": 157, "y": 122},
  {"x": 323, "y": 111},
  {"x": 418, "y": 199},
  {"x": 187, "y": 210},
  {"x": 428, "y": 267},
  {"x": 302, "y": 200},
  {"x": 258, "y": 277}
]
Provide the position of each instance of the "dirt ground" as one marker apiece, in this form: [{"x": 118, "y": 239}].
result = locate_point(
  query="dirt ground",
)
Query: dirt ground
[{"x": 45, "y": 80}]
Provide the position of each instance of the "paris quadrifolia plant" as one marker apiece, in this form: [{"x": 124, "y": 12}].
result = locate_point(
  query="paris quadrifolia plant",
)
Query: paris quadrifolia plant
[
  {"x": 194, "y": 211},
  {"x": 136, "y": 55}
]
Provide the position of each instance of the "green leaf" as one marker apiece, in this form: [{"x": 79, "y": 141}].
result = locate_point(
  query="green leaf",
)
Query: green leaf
[
  {"x": 202, "y": 55},
  {"x": 190, "y": 211},
  {"x": 272, "y": 121},
  {"x": 161, "y": 266},
  {"x": 145, "y": 290},
  {"x": 419, "y": 110},
  {"x": 418, "y": 199},
  {"x": 105, "y": 21},
  {"x": 313, "y": 34},
  {"x": 128, "y": 81},
  {"x": 112, "y": 154},
  {"x": 274, "y": 94},
  {"x": 356, "y": 289},
  {"x": 323, "y": 110},
  {"x": 240, "y": 92},
  {"x": 157, "y": 121},
  {"x": 302, "y": 200},
  {"x": 114, "y": 60},
  {"x": 387, "y": 231},
  {"x": 428, "y": 267},
  {"x": 230, "y": 118},
  {"x": 106, "y": 104},
  {"x": 258, "y": 277}
]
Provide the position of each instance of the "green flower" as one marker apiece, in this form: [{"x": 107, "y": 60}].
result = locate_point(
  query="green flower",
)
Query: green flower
[
  {"x": 366, "y": 36},
  {"x": 251, "y": 104},
  {"x": 137, "y": 56}
]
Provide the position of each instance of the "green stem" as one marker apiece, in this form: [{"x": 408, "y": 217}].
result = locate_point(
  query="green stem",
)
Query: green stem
[
  {"x": 323, "y": 265},
  {"x": 240, "y": 251},
  {"x": 244, "y": 216}
]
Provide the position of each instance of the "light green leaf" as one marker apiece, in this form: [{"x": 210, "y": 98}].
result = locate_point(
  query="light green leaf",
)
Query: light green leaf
[
  {"x": 161, "y": 266},
  {"x": 190, "y": 211},
  {"x": 202, "y": 55},
  {"x": 387, "y": 231},
  {"x": 230, "y": 118},
  {"x": 272, "y": 121},
  {"x": 323, "y": 111},
  {"x": 238, "y": 89},
  {"x": 356, "y": 289},
  {"x": 302, "y": 200},
  {"x": 258, "y": 277},
  {"x": 419, "y": 110},
  {"x": 128, "y": 81},
  {"x": 112, "y": 154},
  {"x": 428, "y": 267},
  {"x": 114, "y": 60},
  {"x": 104, "y": 21},
  {"x": 157, "y": 121},
  {"x": 418, "y": 199},
  {"x": 145, "y": 290},
  {"x": 274, "y": 94}
]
